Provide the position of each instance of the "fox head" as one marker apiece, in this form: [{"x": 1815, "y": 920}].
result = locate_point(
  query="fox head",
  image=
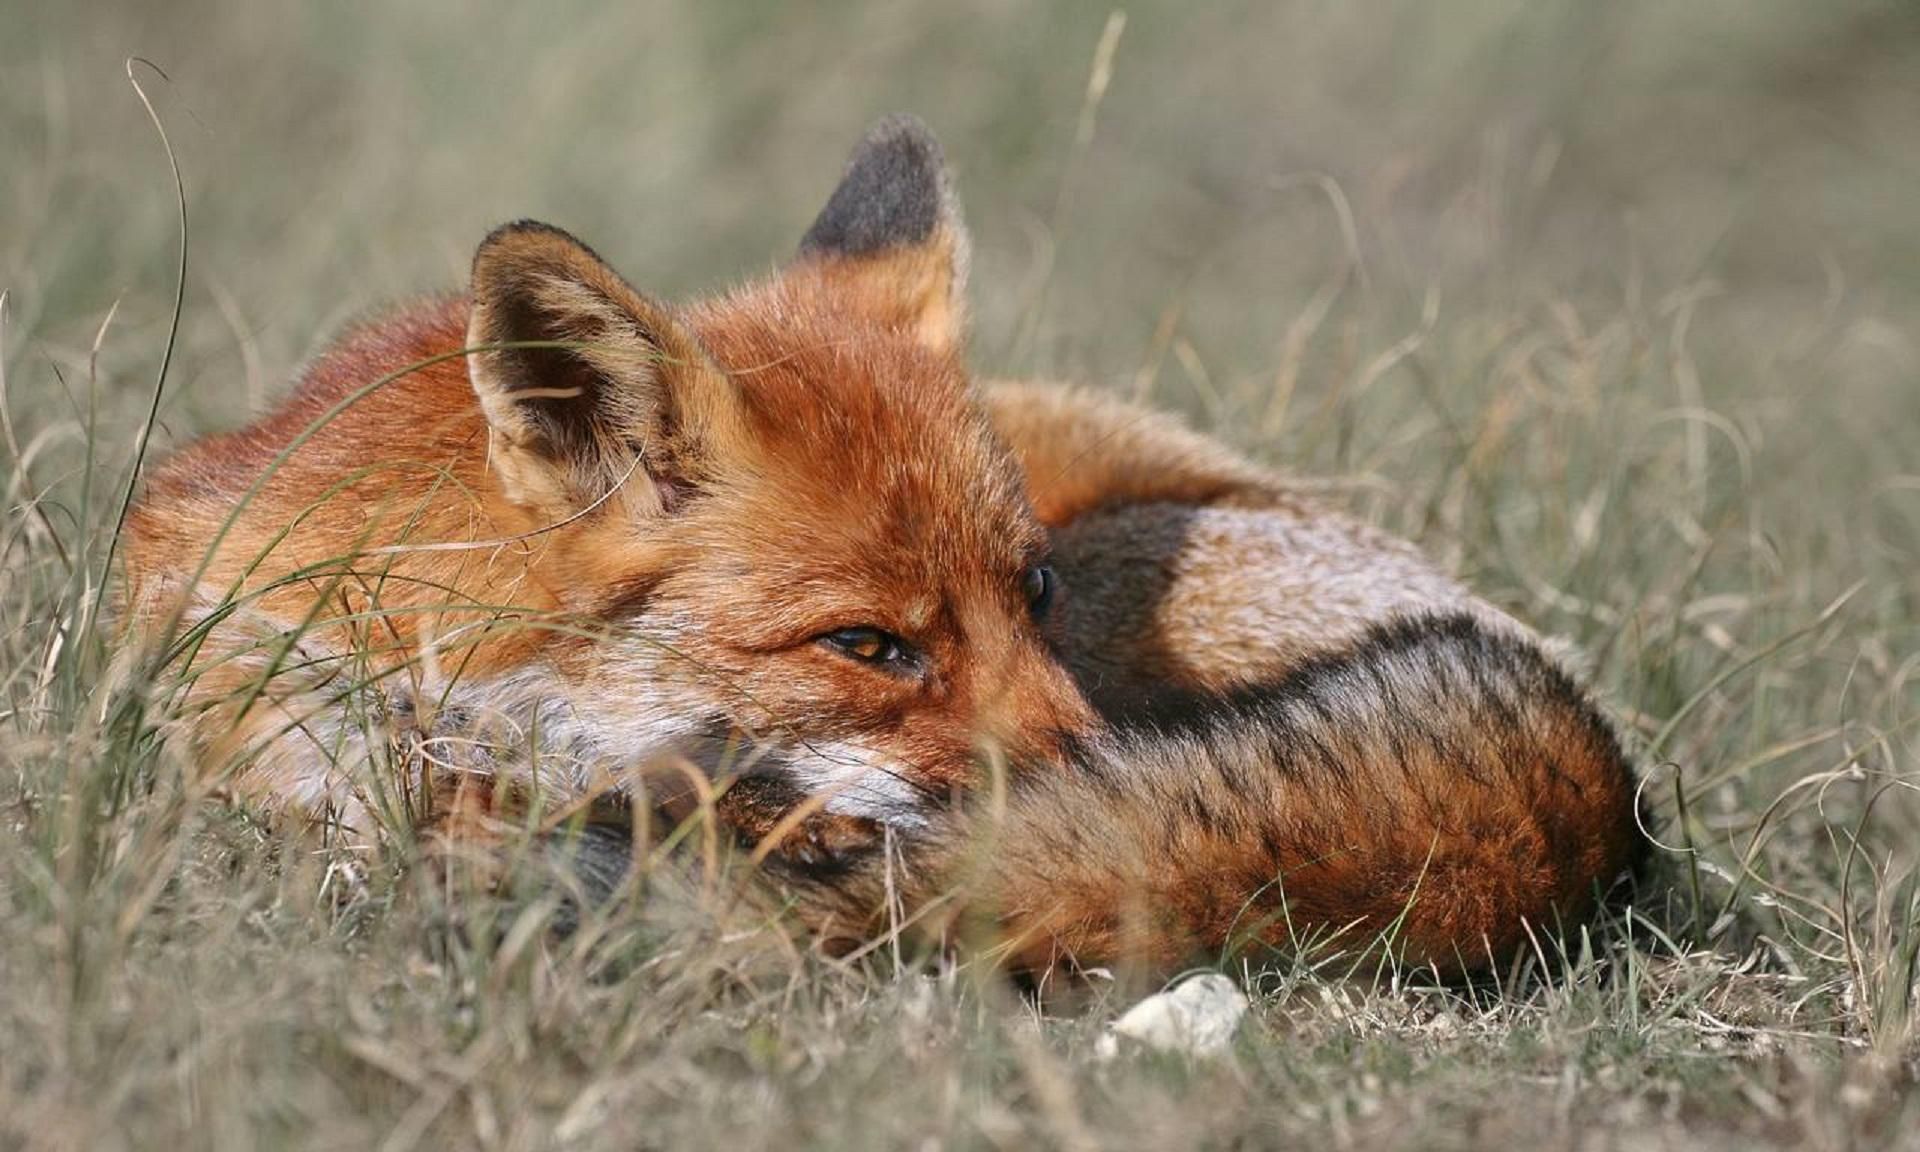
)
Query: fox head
[{"x": 781, "y": 508}]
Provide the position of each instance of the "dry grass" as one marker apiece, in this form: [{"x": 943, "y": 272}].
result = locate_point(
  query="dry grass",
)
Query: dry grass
[{"x": 1609, "y": 305}]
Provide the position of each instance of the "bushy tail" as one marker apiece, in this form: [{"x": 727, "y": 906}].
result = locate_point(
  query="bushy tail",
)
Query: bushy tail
[{"x": 1438, "y": 790}]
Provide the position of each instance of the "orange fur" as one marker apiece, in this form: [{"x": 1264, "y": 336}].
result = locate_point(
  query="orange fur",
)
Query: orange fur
[{"x": 839, "y": 475}]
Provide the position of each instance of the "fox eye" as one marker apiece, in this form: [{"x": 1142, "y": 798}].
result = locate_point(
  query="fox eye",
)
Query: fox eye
[
  {"x": 1039, "y": 584},
  {"x": 869, "y": 646}
]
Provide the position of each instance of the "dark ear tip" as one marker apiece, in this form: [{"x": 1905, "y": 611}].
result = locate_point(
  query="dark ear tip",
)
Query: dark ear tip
[
  {"x": 905, "y": 133},
  {"x": 895, "y": 192}
]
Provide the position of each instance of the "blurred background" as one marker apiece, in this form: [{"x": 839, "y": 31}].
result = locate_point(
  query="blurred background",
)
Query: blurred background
[
  {"x": 1236, "y": 164},
  {"x": 1612, "y": 305}
]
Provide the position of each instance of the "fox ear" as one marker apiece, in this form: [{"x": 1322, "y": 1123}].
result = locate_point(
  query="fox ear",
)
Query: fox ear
[
  {"x": 891, "y": 234},
  {"x": 586, "y": 384}
]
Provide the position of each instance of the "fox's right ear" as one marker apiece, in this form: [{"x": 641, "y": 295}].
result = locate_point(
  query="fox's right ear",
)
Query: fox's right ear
[
  {"x": 586, "y": 383},
  {"x": 891, "y": 235}
]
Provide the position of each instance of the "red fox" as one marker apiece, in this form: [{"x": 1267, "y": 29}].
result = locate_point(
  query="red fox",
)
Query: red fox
[{"x": 515, "y": 548}]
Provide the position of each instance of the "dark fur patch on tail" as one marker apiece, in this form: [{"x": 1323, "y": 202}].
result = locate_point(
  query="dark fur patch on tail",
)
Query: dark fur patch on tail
[
  {"x": 598, "y": 858},
  {"x": 1455, "y": 641},
  {"x": 1420, "y": 673}
]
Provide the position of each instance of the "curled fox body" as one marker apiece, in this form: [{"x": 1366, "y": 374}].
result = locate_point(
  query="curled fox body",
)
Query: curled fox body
[{"x": 527, "y": 545}]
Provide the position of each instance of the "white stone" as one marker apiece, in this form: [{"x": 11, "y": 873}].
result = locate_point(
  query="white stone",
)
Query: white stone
[{"x": 1197, "y": 1017}]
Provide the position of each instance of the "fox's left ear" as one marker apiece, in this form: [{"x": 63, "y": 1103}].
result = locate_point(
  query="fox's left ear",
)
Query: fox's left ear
[
  {"x": 891, "y": 234},
  {"x": 587, "y": 384}
]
